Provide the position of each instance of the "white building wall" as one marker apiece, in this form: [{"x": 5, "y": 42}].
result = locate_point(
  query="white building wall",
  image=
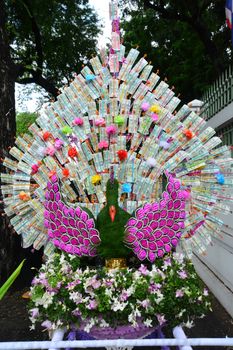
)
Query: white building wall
[{"x": 216, "y": 267}]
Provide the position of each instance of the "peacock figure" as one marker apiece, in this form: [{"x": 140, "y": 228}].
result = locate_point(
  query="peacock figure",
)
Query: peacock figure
[{"x": 89, "y": 177}]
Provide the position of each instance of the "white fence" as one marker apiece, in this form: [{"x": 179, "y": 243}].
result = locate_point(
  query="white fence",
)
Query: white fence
[{"x": 57, "y": 343}]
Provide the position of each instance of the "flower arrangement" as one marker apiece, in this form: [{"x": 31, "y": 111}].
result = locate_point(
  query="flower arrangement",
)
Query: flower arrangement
[{"x": 65, "y": 295}]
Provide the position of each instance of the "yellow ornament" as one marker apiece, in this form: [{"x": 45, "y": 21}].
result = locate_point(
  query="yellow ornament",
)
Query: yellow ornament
[
  {"x": 95, "y": 179},
  {"x": 155, "y": 109}
]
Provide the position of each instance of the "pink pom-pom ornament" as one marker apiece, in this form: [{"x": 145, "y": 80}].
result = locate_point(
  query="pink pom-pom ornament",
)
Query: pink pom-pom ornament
[
  {"x": 103, "y": 144},
  {"x": 78, "y": 121},
  {"x": 145, "y": 106},
  {"x": 111, "y": 130}
]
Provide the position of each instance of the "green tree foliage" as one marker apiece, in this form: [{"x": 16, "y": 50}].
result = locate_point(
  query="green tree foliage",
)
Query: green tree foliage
[
  {"x": 50, "y": 40},
  {"x": 23, "y": 121},
  {"x": 187, "y": 40}
]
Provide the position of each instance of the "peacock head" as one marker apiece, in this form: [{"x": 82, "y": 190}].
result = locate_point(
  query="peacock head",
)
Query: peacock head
[{"x": 112, "y": 197}]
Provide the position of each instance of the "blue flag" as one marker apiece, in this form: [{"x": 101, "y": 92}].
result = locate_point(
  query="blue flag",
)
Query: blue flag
[{"x": 228, "y": 9}]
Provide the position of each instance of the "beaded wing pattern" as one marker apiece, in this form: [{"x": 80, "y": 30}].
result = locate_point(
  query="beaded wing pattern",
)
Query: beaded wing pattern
[
  {"x": 69, "y": 229},
  {"x": 157, "y": 227}
]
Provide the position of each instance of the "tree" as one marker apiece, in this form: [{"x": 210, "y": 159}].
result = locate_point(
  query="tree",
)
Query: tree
[
  {"x": 50, "y": 40},
  {"x": 40, "y": 42},
  {"x": 187, "y": 40}
]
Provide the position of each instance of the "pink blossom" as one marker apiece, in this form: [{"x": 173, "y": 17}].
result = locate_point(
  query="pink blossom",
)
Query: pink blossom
[
  {"x": 78, "y": 121},
  {"x": 50, "y": 150},
  {"x": 161, "y": 319},
  {"x": 34, "y": 312},
  {"x": 76, "y": 312},
  {"x": 154, "y": 117},
  {"x": 58, "y": 144},
  {"x": 94, "y": 283},
  {"x": 47, "y": 324},
  {"x": 124, "y": 296},
  {"x": 111, "y": 130},
  {"x": 100, "y": 122},
  {"x": 154, "y": 287},
  {"x": 206, "y": 292},
  {"x": 182, "y": 274},
  {"x": 145, "y": 106},
  {"x": 145, "y": 303},
  {"x": 179, "y": 293},
  {"x": 92, "y": 305},
  {"x": 143, "y": 270},
  {"x": 103, "y": 144},
  {"x": 35, "y": 168}
]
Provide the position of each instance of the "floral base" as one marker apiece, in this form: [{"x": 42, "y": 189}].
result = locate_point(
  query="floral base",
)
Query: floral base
[{"x": 120, "y": 332}]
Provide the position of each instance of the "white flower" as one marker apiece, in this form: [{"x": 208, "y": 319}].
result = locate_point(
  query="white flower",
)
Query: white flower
[
  {"x": 181, "y": 313},
  {"x": 76, "y": 297},
  {"x": 108, "y": 292},
  {"x": 103, "y": 324},
  {"x": 89, "y": 325},
  {"x": 189, "y": 324},
  {"x": 148, "y": 322},
  {"x": 46, "y": 300},
  {"x": 118, "y": 306},
  {"x": 159, "y": 296},
  {"x": 179, "y": 257}
]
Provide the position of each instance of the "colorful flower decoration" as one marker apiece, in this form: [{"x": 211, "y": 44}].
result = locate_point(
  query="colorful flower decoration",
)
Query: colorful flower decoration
[
  {"x": 100, "y": 122},
  {"x": 72, "y": 152},
  {"x": 126, "y": 188},
  {"x": 50, "y": 150},
  {"x": 65, "y": 172},
  {"x": 78, "y": 121},
  {"x": 188, "y": 133},
  {"x": 220, "y": 178},
  {"x": 67, "y": 130},
  {"x": 24, "y": 196},
  {"x": 35, "y": 168},
  {"x": 151, "y": 162},
  {"x": 122, "y": 155},
  {"x": 155, "y": 109},
  {"x": 119, "y": 120},
  {"x": 90, "y": 77},
  {"x": 103, "y": 144},
  {"x": 164, "y": 144},
  {"x": 46, "y": 135},
  {"x": 145, "y": 106},
  {"x": 154, "y": 117},
  {"x": 58, "y": 144},
  {"x": 95, "y": 179},
  {"x": 111, "y": 130}
]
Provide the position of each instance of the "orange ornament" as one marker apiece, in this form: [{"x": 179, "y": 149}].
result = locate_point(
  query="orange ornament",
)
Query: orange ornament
[
  {"x": 72, "y": 152},
  {"x": 46, "y": 135},
  {"x": 188, "y": 133},
  {"x": 122, "y": 154},
  {"x": 24, "y": 196},
  {"x": 65, "y": 172}
]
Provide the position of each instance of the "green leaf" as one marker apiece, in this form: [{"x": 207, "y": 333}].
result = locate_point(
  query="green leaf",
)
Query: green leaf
[{"x": 10, "y": 280}]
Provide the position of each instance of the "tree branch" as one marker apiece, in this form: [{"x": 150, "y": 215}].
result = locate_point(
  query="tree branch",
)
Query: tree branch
[
  {"x": 164, "y": 13},
  {"x": 25, "y": 81},
  {"x": 37, "y": 35}
]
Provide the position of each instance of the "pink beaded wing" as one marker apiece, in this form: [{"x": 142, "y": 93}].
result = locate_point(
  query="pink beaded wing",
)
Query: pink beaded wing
[
  {"x": 72, "y": 230},
  {"x": 158, "y": 226}
]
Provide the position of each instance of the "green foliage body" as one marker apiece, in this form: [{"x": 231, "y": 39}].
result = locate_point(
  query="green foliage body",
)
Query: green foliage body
[{"x": 112, "y": 233}]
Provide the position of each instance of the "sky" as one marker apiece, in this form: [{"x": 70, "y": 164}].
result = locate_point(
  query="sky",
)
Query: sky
[{"x": 102, "y": 9}]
